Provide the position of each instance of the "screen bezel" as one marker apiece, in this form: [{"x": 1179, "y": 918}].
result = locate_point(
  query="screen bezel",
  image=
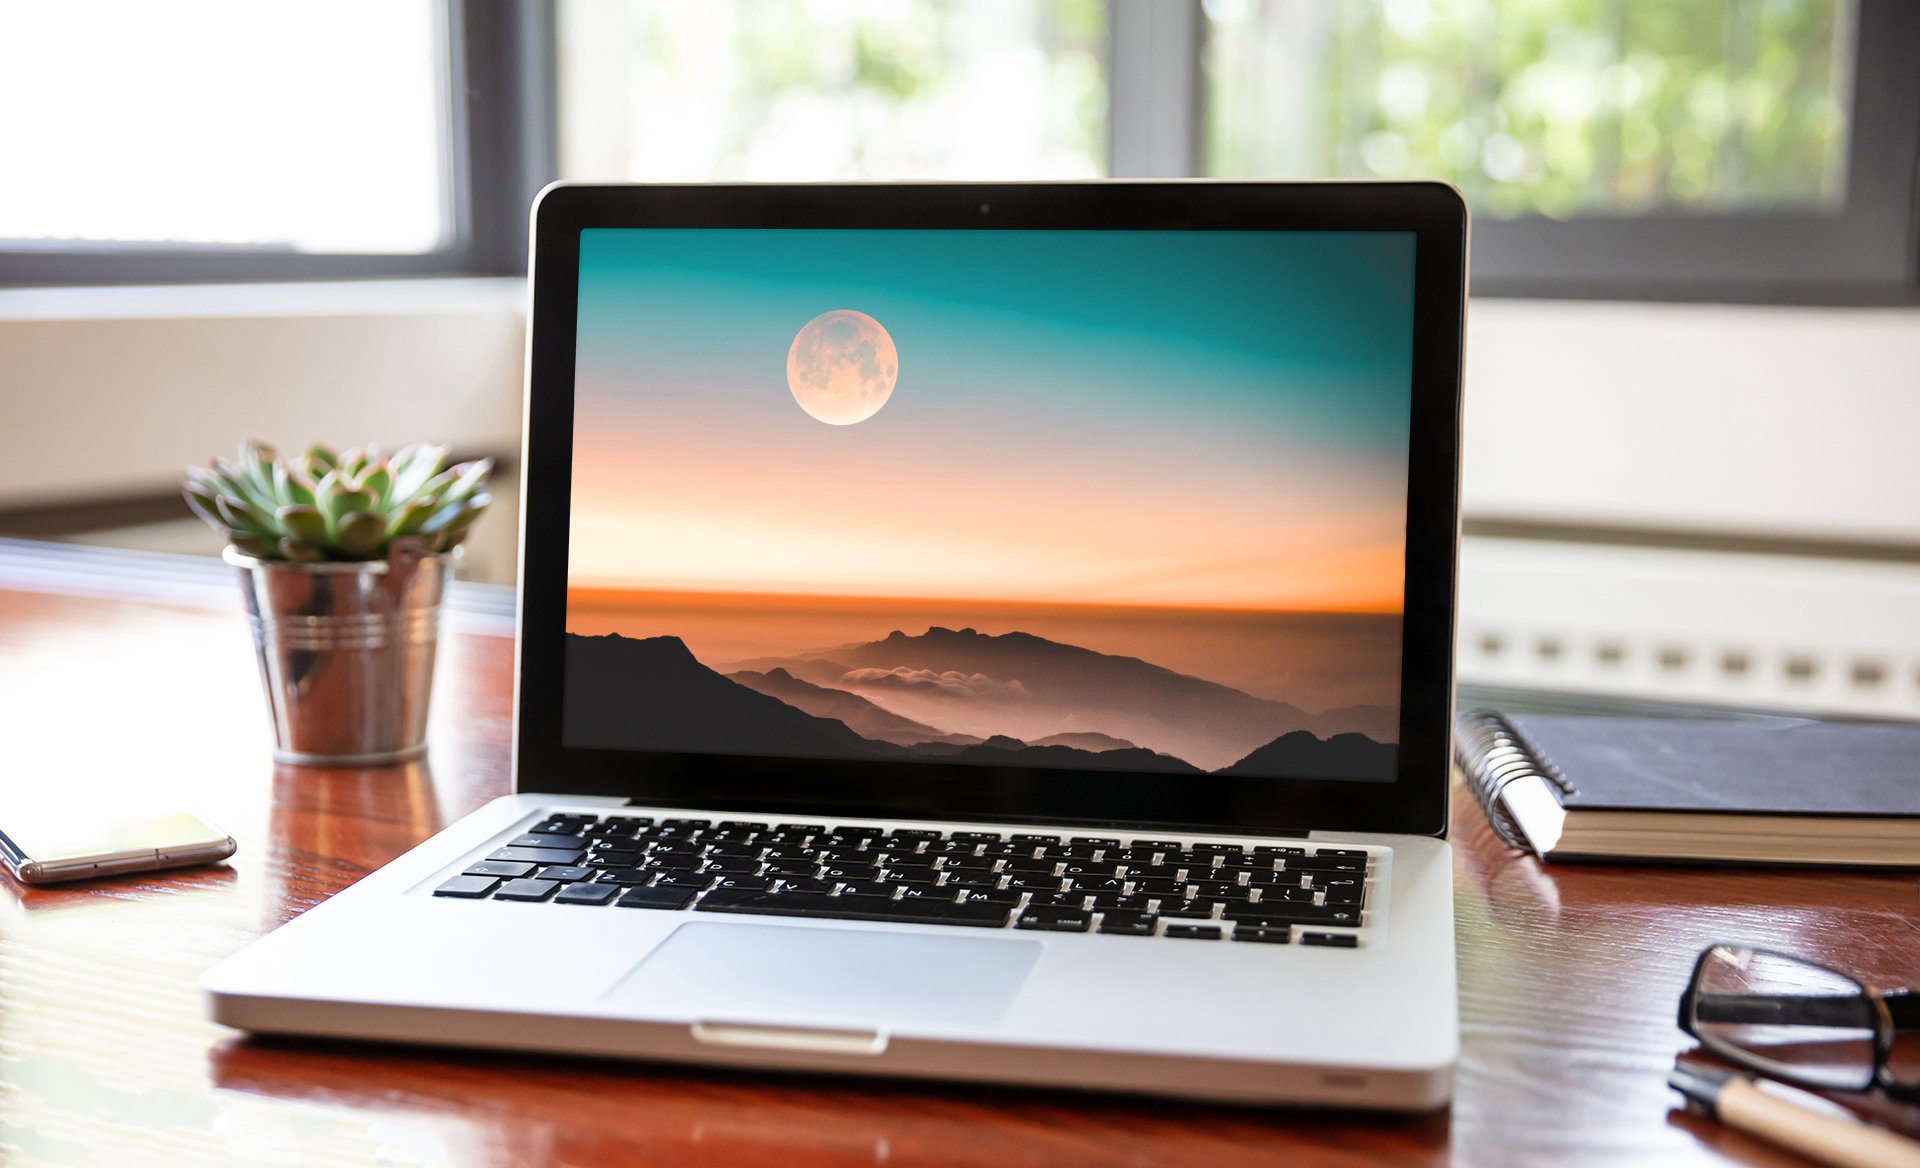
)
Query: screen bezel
[{"x": 1414, "y": 803}]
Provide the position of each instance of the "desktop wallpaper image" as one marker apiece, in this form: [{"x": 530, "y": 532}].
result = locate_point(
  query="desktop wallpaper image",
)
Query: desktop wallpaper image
[{"x": 1066, "y": 499}]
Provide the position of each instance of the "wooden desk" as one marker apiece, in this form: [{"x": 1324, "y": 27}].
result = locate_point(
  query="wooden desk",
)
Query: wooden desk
[{"x": 1569, "y": 977}]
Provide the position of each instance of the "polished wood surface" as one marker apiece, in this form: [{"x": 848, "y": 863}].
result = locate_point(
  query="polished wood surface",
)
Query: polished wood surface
[{"x": 1569, "y": 976}]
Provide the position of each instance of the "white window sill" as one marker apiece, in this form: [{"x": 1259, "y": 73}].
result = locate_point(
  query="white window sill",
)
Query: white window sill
[{"x": 417, "y": 297}]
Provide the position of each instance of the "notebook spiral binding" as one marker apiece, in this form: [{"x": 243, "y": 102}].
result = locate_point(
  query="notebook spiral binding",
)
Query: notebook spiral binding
[{"x": 1492, "y": 753}]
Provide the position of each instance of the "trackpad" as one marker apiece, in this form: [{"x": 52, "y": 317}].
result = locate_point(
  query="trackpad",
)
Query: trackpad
[{"x": 727, "y": 970}]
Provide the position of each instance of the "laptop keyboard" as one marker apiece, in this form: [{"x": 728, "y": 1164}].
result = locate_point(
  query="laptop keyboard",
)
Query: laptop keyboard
[{"x": 1078, "y": 884}]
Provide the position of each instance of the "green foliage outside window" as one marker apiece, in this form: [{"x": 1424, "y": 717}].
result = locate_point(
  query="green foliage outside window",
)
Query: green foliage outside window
[{"x": 1552, "y": 107}]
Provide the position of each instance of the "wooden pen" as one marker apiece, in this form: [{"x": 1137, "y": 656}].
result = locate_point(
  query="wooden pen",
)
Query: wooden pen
[{"x": 1734, "y": 1100}]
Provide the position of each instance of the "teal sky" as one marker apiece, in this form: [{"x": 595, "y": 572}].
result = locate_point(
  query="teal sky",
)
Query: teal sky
[{"x": 1222, "y": 376}]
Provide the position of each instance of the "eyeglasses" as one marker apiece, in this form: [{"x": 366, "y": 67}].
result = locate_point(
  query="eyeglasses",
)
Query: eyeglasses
[{"x": 1803, "y": 1023}]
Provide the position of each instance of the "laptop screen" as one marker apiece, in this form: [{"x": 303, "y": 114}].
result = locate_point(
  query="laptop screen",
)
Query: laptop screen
[{"x": 1114, "y": 500}]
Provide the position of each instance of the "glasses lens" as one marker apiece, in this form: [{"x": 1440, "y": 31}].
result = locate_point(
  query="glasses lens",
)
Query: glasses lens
[{"x": 1785, "y": 1017}]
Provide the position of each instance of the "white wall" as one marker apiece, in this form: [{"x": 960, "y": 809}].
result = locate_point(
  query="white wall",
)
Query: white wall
[{"x": 1776, "y": 420}]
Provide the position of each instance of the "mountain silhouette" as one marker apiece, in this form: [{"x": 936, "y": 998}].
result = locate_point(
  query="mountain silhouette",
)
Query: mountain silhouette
[
  {"x": 1087, "y": 741},
  {"x": 1069, "y": 758},
  {"x": 1032, "y": 688},
  {"x": 651, "y": 694},
  {"x": 860, "y": 715},
  {"x": 1300, "y": 755}
]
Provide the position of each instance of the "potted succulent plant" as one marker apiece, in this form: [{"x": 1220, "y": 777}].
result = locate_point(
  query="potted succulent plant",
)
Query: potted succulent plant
[{"x": 344, "y": 560}]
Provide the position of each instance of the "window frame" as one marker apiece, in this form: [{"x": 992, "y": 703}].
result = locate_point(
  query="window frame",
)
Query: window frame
[{"x": 497, "y": 81}]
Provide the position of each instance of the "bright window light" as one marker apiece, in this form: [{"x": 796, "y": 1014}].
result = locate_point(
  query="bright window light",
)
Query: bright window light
[
  {"x": 1553, "y": 107},
  {"x": 300, "y": 126},
  {"x": 799, "y": 90}
]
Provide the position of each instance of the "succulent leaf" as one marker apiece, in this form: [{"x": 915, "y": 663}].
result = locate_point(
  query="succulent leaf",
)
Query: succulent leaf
[
  {"x": 304, "y": 522},
  {"x": 361, "y": 532},
  {"x": 348, "y": 506}
]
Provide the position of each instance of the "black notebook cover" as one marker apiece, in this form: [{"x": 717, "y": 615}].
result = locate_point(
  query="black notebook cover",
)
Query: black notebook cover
[{"x": 1780, "y": 768}]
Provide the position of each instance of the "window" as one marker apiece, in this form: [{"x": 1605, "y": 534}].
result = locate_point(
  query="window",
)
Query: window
[
  {"x": 804, "y": 90},
  {"x": 1712, "y": 149},
  {"x": 226, "y": 139},
  {"x": 1736, "y": 149}
]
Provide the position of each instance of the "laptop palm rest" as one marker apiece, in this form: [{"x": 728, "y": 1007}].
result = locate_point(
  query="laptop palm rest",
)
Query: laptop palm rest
[{"x": 733, "y": 971}]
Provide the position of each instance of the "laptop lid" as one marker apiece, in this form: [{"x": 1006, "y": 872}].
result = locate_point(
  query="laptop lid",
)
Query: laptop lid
[{"x": 1128, "y": 504}]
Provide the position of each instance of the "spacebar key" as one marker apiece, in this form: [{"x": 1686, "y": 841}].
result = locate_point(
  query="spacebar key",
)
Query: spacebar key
[{"x": 853, "y": 908}]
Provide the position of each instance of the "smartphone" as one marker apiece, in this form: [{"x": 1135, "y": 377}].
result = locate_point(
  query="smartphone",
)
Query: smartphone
[{"x": 51, "y": 843}]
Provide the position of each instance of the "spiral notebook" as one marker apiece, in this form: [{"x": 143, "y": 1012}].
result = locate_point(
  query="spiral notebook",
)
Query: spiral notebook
[{"x": 1779, "y": 791}]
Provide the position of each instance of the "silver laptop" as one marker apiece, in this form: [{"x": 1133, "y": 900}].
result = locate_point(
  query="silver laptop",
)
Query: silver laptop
[{"x": 973, "y": 632}]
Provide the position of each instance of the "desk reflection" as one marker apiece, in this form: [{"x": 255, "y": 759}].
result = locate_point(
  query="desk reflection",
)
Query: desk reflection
[{"x": 531, "y": 1112}]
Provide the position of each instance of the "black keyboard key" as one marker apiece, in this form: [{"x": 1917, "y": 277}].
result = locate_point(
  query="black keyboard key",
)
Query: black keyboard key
[
  {"x": 1155, "y": 872},
  {"x": 1072, "y": 900},
  {"x": 745, "y": 883},
  {"x": 613, "y": 860},
  {"x": 673, "y": 861},
  {"x": 538, "y": 855},
  {"x": 800, "y": 828},
  {"x": 733, "y": 865},
  {"x": 1095, "y": 841},
  {"x": 792, "y": 852},
  {"x": 860, "y": 908},
  {"x": 566, "y": 874},
  {"x": 952, "y": 847},
  {"x": 546, "y": 840},
  {"x": 1195, "y": 932},
  {"x": 978, "y": 837},
  {"x": 1196, "y": 910},
  {"x": 698, "y": 881},
  {"x": 1127, "y": 924},
  {"x": 913, "y": 834},
  {"x": 586, "y": 894},
  {"x": 999, "y": 896},
  {"x": 926, "y": 892},
  {"x": 1340, "y": 852},
  {"x": 1097, "y": 885},
  {"x": 1035, "y": 883},
  {"x": 920, "y": 876},
  {"x": 526, "y": 890},
  {"x": 802, "y": 884},
  {"x": 1157, "y": 845},
  {"x": 870, "y": 888},
  {"x": 1276, "y": 879},
  {"x": 1353, "y": 895},
  {"x": 1333, "y": 940},
  {"x": 951, "y": 863},
  {"x": 1089, "y": 868},
  {"x": 972, "y": 879},
  {"x": 844, "y": 855},
  {"x": 848, "y": 872},
  {"x": 1326, "y": 864},
  {"x": 624, "y": 876},
  {"x": 1077, "y": 852},
  {"x": 468, "y": 887},
  {"x": 629, "y": 822},
  {"x": 1009, "y": 851},
  {"x": 552, "y": 827},
  {"x": 1281, "y": 894},
  {"x": 1135, "y": 855},
  {"x": 1029, "y": 838},
  {"x": 1270, "y": 936},
  {"x": 693, "y": 824},
  {"x": 794, "y": 868},
  {"x": 1274, "y": 852},
  {"x": 1043, "y": 865},
  {"x": 1217, "y": 849},
  {"x": 897, "y": 859},
  {"x": 1054, "y": 920},
  {"x": 1220, "y": 890},
  {"x": 1106, "y": 900},
  {"x": 741, "y": 826},
  {"x": 1173, "y": 888},
  {"x": 498, "y": 868},
  {"x": 1265, "y": 915},
  {"x": 734, "y": 851},
  {"x": 662, "y": 898}
]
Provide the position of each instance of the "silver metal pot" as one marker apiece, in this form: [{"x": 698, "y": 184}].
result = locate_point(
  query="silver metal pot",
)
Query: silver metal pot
[{"x": 346, "y": 652}]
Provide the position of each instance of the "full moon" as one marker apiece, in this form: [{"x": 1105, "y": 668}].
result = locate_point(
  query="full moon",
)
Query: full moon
[{"x": 842, "y": 367}]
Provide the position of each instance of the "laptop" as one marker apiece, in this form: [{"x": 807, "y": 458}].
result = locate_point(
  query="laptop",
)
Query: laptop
[{"x": 973, "y": 632}]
